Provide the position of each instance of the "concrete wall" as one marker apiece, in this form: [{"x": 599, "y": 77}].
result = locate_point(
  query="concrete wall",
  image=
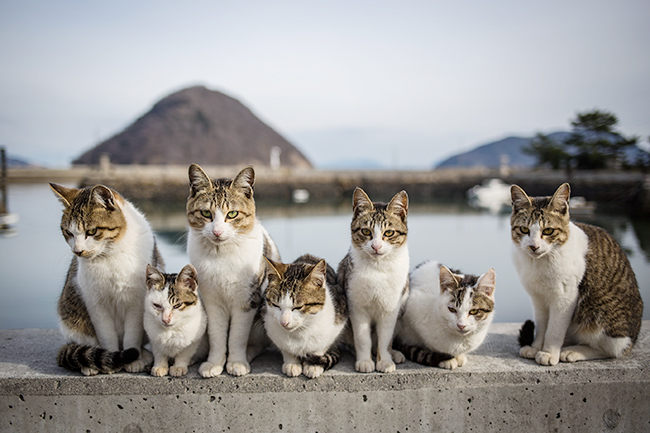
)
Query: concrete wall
[{"x": 497, "y": 391}]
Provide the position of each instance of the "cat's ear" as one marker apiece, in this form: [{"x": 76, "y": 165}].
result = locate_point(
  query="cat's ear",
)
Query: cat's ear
[
  {"x": 518, "y": 197},
  {"x": 199, "y": 180},
  {"x": 274, "y": 269},
  {"x": 245, "y": 180},
  {"x": 187, "y": 278},
  {"x": 361, "y": 201},
  {"x": 155, "y": 280},
  {"x": 65, "y": 195},
  {"x": 103, "y": 196},
  {"x": 447, "y": 279},
  {"x": 317, "y": 275},
  {"x": 560, "y": 200},
  {"x": 487, "y": 283},
  {"x": 399, "y": 204}
]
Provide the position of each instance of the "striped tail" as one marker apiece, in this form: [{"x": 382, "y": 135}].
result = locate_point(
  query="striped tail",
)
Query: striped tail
[
  {"x": 526, "y": 333},
  {"x": 421, "y": 355},
  {"x": 74, "y": 357},
  {"x": 326, "y": 361}
]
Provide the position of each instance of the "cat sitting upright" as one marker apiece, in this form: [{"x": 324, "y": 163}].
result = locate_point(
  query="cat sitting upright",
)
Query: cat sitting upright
[
  {"x": 102, "y": 303},
  {"x": 584, "y": 292}
]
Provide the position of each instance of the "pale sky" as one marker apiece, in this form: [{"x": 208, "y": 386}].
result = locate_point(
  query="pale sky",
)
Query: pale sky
[{"x": 402, "y": 83}]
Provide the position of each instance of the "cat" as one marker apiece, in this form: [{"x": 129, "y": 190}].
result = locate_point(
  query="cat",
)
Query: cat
[
  {"x": 446, "y": 315},
  {"x": 584, "y": 292},
  {"x": 305, "y": 314},
  {"x": 226, "y": 244},
  {"x": 102, "y": 303},
  {"x": 174, "y": 320},
  {"x": 374, "y": 275}
]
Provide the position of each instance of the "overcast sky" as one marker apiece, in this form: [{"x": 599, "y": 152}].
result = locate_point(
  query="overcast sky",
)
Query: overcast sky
[{"x": 402, "y": 83}]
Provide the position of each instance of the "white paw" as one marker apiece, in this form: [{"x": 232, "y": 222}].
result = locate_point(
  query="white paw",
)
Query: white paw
[
  {"x": 386, "y": 366},
  {"x": 177, "y": 371},
  {"x": 312, "y": 371},
  {"x": 136, "y": 366},
  {"x": 449, "y": 364},
  {"x": 528, "y": 352},
  {"x": 367, "y": 366},
  {"x": 292, "y": 370},
  {"x": 398, "y": 357},
  {"x": 89, "y": 371},
  {"x": 238, "y": 368},
  {"x": 571, "y": 356},
  {"x": 208, "y": 369},
  {"x": 159, "y": 371},
  {"x": 547, "y": 358}
]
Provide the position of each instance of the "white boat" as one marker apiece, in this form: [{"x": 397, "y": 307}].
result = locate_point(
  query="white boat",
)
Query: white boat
[{"x": 492, "y": 194}]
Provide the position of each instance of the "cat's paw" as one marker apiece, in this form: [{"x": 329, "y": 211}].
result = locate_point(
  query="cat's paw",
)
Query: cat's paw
[
  {"x": 528, "y": 352},
  {"x": 238, "y": 368},
  {"x": 136, "y": 366},
  {"x": 208, "y": 369},
  {"x": 159, "y": 371},
  {"x": 449, "y": 364},
  {"x": 176, "y": 370},
  {"x": 292, "y": 370},
  {"x": 398, "y": 357},
  {"x": 312, "y": 371},
  {"x": 86, "y": 371},
  {"x": 386, "y": 366},
  {"x": 547, "y": 358},
  {"x": 569, "y": 355},
  {"x": 367, "y": 366}
]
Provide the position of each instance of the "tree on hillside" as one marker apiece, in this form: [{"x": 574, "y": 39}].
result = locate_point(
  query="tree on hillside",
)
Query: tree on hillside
[{"x": 548, "y": 152}]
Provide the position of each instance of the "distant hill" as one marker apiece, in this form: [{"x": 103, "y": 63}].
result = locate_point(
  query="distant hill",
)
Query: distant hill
[{"x": 196, "y": 125}]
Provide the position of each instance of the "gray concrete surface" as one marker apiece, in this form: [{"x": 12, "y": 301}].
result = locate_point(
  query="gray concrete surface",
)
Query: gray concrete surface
[{"x": 497, "y": 391}]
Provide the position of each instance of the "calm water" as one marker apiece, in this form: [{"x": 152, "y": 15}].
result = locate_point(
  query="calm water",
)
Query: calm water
[{"x": 34, "y": 258}]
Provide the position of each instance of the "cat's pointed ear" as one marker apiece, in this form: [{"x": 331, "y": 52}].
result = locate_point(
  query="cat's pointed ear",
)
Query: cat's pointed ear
[
  {"x": 199, "y": 180},
  {"x": 155, "y": 280},
  {"x": 361, "y": 201},
  {"x": 487, "y": 283},
  {"x": 447, "y": 279},
  {"x": 103, "y": 196},
  {"x": 560, "y": 200},
  {"x": 187, "y": 278},
  {"x": 518, "y": 197},
  {"x": 274, "y": 269},
  {"x": 245, "y": 180},
  {"x": 318, "y": 273},
  {"x": 399, "y": 204},
  {"x": 65, "y": 195}
]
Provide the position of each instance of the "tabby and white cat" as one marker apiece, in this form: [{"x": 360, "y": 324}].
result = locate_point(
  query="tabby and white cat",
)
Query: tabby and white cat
[
  {"x": 102, "y": 303},
  {"x": 305, "y": 313},
  {"x": 374, "y": 275},
  {"x": 174, "y": 320},
  {"x": 447, "y": 315},
  {"x": 227, "y": 244},
  {"x": 585, "y": 295}
]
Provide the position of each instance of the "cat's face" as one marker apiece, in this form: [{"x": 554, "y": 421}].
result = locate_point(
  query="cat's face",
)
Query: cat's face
[
  {"x": 221, "y": 210},
  {"x": 466, "y": 302},
  {"x": 92, "y": 219},
  {"x": 171, "y": 297},
  {"x": 377, "y": 228},
  {"x": 539, "y": 225},
  {"x": 295, "y": 292}
]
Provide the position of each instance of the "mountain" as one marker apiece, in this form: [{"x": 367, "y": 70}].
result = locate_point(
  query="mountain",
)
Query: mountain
[
  {"x": 489, "y": 155},
  {"x": 196, "y": 125}
]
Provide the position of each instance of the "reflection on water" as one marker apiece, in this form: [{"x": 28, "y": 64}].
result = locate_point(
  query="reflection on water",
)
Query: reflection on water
[{"x": 34, "y": 261}]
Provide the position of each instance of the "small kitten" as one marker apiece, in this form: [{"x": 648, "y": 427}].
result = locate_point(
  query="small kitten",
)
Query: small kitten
[
  {"x": 374, "y": 275},
  {"x": 174, "y": 320},
  {"x": 305, "y": 313},
  {"x": 227, "y": 244},
  {"x": 584, "y": 292},
  {"x": 102, "y": 303},
  {"x": 447, "y": 315}
]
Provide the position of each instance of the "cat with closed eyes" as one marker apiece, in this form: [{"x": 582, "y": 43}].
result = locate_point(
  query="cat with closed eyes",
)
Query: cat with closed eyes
[
  {"x": 446, "y": 315},
  {"x": 226, "y": 243},
  {"x": 102, "y": 303},
  {"x": 305, "y": 313},
  {"x": 174, "y": 320},
  {"x": 374, "y": 275},
  {"x": 584, "y": 292}
]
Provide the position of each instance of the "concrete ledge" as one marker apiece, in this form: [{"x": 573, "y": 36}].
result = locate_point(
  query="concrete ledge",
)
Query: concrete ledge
[{"x": 496, "y": 391}]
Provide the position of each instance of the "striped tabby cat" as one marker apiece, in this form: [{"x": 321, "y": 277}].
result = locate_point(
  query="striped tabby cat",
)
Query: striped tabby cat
[
  {"x": 226, "y": 243},
  {"x": 102, "y": 303},
  {"x": 585, "y": 295},
  {"x": 305, "y": 313},
  {"x": 447, "y": 315},
  {"x": 374, "y": 275}
]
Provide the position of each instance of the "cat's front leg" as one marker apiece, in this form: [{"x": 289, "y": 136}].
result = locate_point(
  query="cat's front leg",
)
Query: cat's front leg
[
  {"x": 161, "y": 362},
  {"x": 541, "y": 323},
  {"x": 218, "y": 337},
  {"x": 362, "y": 342},
  {"x": 560, "y": 314},
  {"x": 385, "y": 329},
  {"x": 104, "y": 323},
  {"x": 457, "y": 361},
  {"x": 133, "y": 334},
  {"x": 240, "y": 329},
  {"x": 291, "y": 365},
  {"x": 183, "y": 359}
]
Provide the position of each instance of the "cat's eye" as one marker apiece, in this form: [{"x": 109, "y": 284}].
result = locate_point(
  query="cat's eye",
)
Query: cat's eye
[
  {"x": 206, "y": 214},
  {"x": 157, "y": 306},
  {"x": 473, "y": 312},
  {"x": 177, "y": 306},
  {"x": 524, "y": 230},
  {"x": 452, "y": 309},
  {"x": 298, "y": 308},
  {"x": 366, "y": 232},
  {"x": 548, "y": 231},
  {"x": 389, "y": 233},
  {"x": 68, "y": 233},
  {"x": 91, "y": 232},
  {"x": 232, "y": 214}
]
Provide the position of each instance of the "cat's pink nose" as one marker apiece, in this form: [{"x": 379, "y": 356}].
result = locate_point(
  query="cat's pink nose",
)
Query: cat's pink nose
[
  {"x": 217, "y": 233},
  {"x": 376, "y": 247},
  {"x": 533, "y": 248},
  {"x": 461, "y": 327}
]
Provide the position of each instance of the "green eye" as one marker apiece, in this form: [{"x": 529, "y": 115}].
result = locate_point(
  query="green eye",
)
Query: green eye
[
  {"x": 473, "y": 312},
  {"x": 232, "y": 214},
  {"x": 366, "y": 232},
  {"x": 389, "y": 233},
  {"x": 548, "y": 231},
  {"x": 206, "y": 214},
  {"x": 524, "y": 230},
  {"x": 91, "y": 232},
  {"x": 452, "y": 309}
]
